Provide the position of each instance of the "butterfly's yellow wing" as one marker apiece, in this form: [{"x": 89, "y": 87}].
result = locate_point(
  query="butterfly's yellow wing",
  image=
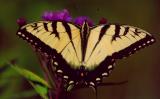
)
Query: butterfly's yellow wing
[
  {"x": 62, "y": 37},
  {"x": 116, "y": 41}
]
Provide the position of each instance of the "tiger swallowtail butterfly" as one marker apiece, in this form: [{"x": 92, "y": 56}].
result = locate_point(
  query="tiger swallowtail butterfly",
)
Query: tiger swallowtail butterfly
[{"x": 84, "y": 54}]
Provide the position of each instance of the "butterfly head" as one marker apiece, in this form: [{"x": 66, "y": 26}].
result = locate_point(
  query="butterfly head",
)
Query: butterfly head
[
  {"x": 85, "y": 26},
  {"x": 82, "y": 72},
  {"x": 82, "y": 75}
]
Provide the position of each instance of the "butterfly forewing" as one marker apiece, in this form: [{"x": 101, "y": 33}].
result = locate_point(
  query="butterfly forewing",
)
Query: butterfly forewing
[
  {"x": 116, "y": 41},
  {"x": 61, "y": 36}
]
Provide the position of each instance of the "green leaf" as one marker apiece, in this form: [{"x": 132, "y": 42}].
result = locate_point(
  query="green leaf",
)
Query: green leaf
[
  {"x": 24, "y": 94},
  {"x": 40, "y": 85},
  {"x": 43, "y": 91}
]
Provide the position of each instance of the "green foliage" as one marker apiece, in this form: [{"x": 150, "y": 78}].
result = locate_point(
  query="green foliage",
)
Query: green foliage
[
  {"x": 41, "y": 90},
  {"x": 25, "y": 94},
  {"x": 40, "y": 85}
]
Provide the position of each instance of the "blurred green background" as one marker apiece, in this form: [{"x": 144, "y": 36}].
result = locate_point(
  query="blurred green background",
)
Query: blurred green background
[{"x": 142, "y": 70}]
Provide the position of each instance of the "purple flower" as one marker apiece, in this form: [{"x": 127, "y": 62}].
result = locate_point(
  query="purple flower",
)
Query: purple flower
[
  {"x": 79, "y": 20},
  {"x": 57, "y": 15},
  {"x": 21, "y": 21},
  {"x": 103, "y": 20}
]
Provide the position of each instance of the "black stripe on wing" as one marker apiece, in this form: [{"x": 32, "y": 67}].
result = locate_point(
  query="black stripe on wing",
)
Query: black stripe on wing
[
  {"x": 148, "y": 40},
  {"x": 45, "y": 26},
  {"x": 69, "y": 32},
  {"x": 102, "y": 33},
  {"x": 126, "y": 31},
  {"x": 54, "y": 28},
  {"x": 117, "y": 32}
]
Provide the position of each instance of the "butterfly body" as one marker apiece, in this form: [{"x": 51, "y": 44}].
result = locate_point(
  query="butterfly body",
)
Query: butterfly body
[{"x": 84, "y": 54}]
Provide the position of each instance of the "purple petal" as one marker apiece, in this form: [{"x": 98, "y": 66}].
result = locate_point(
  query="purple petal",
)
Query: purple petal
[
  {"x": 57, "y": 15},
  {"x": 21, "y": 21},
  {"x": 79, "y": 20},
  {"x": 103, "y": 21}
]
